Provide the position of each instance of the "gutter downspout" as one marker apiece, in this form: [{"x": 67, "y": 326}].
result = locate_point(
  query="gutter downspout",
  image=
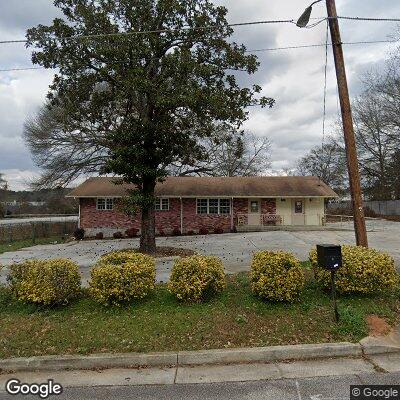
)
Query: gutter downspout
[
  {"x": 232, "y": 222},
  {"x": 79, "y": 215},
  {"x": 181, "y": 215}
]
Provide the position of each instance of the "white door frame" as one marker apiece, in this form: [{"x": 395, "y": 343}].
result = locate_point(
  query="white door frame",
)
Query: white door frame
[
  {"x": 297, "y": 217},
  {"x": 254, "y": 217}
]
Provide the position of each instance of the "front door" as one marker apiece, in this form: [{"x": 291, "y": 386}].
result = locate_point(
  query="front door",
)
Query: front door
[
  {"x": 254, "y": 217},
  {"x": 298, "y": 212}
]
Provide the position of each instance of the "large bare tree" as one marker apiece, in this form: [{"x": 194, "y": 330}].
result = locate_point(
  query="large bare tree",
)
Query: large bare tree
[
  {"x": 229, "y": 153},
  {"x": 327, "y": 162},
  {"x": 377, "y": 127},
  {"x": 63, "y": 150}
]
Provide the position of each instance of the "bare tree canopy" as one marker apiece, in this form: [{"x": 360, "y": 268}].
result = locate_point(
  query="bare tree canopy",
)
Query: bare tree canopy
[
  {"x": 326, "y": 162},
  {"x": 229, "y": 152},
  {"x": 63, "y": 150},
  {"x": 3, "y": 182},
  {"x": 377, "y": 126},
  {"x": 65, "y": 153}
]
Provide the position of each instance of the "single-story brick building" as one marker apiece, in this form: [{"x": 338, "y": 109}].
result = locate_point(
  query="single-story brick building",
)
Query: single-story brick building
[{"x": 191, "y": 204}]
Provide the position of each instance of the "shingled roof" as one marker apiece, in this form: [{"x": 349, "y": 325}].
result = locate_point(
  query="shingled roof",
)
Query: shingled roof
[{"x": 258, "y": 186}]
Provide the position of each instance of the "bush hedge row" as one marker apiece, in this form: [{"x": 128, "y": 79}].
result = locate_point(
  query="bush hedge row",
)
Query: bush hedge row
[{"x": 123, "y": 276}]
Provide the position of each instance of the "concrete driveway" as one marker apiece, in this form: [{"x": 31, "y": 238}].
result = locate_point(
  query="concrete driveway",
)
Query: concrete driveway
[{"x": 235, "y": 250}]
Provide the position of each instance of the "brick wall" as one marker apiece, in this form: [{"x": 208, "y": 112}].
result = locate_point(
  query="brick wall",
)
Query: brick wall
[
  {"x": 108, "y": 222},
  {"x": 268, "y": 206}
]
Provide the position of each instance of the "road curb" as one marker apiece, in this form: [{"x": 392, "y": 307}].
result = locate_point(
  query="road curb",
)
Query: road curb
[
  {"x": 380, "y": 345},
  {"x": 269, "y": 354},
  {"x": 93, "y": 361},
  {"x": 368, "y": 346}
]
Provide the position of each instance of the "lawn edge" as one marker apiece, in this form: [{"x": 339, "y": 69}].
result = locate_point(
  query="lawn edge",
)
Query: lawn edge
[{"x": 201, "y": 357}]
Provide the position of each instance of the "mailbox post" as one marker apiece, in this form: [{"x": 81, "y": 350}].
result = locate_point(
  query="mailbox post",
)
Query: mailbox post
[{"x": 330, "y": 258}]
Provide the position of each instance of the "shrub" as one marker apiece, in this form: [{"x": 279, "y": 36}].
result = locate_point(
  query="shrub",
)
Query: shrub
[
  {"x": 218, "y": 230},
  {"x": 176, "y": 232},
  {"x": 121, "y": 277},
  {"x": 131, "y": 233},
  {"x": 196, "y": 278},
  {"x": 190, "y": 233},
  {"x": 161, "y": 232},
  {"x": 364, "y": 271},
  {"x": 118, "y": 257},
  {"x": 45, "y": 282},
  {"x": 118, "y": 235},
  {"x": 276, "y": 276},
  {"x": 99, "y": 236},
  {"x": 79, "y": 234},
  {"x": 203, "y": 231}
]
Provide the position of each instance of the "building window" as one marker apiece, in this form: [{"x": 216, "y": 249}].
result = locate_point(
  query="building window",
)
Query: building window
[
  {"x": 254, "y": 206},
  {"x": 224, "y": 206},
  {"x": 298, "y": 207},
  {"x": 104, "y": 204},
  {"x": 213, "y": 206},
  {"x": 162, "y": 204},
  {"x": 202, "y": 206}
]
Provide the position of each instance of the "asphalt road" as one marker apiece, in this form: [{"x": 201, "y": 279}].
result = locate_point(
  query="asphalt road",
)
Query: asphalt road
[
  {"x": 322, "y": 388},
  {"x": 21, "y": 221}
]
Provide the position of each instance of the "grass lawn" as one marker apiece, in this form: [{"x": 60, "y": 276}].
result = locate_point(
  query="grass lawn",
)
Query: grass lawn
[
  {"x": 20, "y": 244},
  {"x": 160, "y": 323}
]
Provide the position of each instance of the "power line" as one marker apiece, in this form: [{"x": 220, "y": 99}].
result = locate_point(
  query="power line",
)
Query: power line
[
  {"x": 20, "y": 69},
  {"x": 321, "y": 45},
  {"x": 368, "y": 19},
  {"x": 252, "y": 51},
  {"x": 183, "y": 29}
]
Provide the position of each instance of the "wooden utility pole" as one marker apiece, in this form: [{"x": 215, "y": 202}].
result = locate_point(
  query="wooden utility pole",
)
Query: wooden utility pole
[{"x": 348, "y": 129}]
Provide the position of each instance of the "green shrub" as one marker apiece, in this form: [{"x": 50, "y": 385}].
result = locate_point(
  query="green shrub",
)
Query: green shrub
[
  {"x": 120, "y": 257},
  {"x": 196, "y": 278},
  {"x": 45, "y": 282},
  {"x": 276, "y": 276},
  {"x": 121, "y": 277},
  {"x": 364, "y": 271}
]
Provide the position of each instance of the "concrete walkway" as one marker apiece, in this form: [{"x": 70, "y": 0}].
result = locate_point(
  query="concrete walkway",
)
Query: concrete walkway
[
  {"x": 236, "y": 250},
  {"x": 376, "y": 369}
]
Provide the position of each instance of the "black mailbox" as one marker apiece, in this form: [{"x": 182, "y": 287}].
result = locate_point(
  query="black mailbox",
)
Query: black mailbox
[{"x": 329, "y": 256}]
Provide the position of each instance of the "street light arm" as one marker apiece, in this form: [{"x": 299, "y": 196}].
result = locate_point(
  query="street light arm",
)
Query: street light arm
[
  {"x": 305, "y": 17},
  {"x": 315, "y": 2}
]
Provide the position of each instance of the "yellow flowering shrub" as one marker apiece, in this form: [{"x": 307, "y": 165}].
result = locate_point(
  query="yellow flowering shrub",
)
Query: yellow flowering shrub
[
  {"x": 276, "y": 276},
  {"x": 364, "y": 271},
  {"x": 121, "y": 277},
  {"x": 45, "y": 282},
  {"x": 196, "y": 278},
  {"x": 120, "y": 257}
]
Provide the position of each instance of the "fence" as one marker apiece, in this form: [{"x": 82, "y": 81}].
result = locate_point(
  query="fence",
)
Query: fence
[
  {"x": 36, "y": 229},
  {"x": 380, "y": 207},
  {"x": 347, "y": 222}
]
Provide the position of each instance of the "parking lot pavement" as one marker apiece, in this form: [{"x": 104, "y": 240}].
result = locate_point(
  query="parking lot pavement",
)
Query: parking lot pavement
[{"x": 235, "y": 249}]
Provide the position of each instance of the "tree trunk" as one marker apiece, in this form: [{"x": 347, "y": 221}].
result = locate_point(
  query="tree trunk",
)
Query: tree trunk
[{"x": 148, "y": 235}]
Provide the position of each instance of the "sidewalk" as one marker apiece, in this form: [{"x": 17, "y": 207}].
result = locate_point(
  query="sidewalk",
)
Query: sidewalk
[
  {"x": 214, "y": 373},
  {"x": 373, "y": 355}
]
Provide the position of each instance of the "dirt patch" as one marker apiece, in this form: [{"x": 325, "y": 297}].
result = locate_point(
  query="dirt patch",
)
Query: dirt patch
[
  {"x": 378, "y": 326},
  {"x": 166, "y": 251}
]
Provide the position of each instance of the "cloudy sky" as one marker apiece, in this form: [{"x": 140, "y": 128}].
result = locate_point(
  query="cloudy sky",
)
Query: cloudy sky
[{"x": 293, "y": 77}]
